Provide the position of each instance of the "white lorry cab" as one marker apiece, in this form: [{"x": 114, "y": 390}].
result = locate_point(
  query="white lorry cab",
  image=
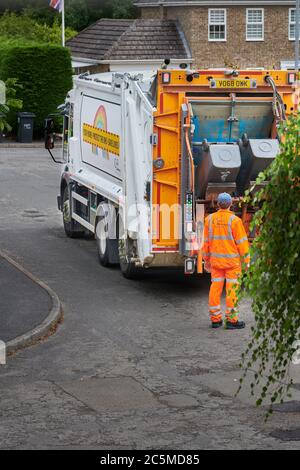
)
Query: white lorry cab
[{"x": 145, "y": 156}]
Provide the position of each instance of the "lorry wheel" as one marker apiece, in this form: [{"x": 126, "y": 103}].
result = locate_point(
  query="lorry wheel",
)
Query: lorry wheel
[
  {"x": 70, "y": 225},
  {"x": 128, "y": 269},
  {"x": 107, "y": 248}
]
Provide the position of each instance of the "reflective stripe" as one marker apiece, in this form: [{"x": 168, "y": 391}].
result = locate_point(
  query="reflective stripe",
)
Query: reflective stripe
[
  {"x": 241, "y": 240},
  {"x": 225, "y": 255},
  {"x": 205, "y": 254},
  {"x": 217, "y": 279},
  {"x": 221, "y": 237},
  {"x": 232, "y": 280},
  {"x": 231, "y": 219},
  {"x": 210, "y": 230},
  {"x": 215, "y": 308}
]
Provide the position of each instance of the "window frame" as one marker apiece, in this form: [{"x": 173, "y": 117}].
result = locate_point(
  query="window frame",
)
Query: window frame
[
  {"x": 262, "y": 24},
  {"x": 290, "y": 23},
  {"x": 225, "y": 24}
]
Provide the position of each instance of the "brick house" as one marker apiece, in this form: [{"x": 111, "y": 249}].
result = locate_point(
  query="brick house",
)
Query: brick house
[{"x": 240, "y": 33}]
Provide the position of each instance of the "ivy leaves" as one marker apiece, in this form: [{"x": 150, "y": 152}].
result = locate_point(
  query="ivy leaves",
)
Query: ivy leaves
[{"x": 273, "y": 280}]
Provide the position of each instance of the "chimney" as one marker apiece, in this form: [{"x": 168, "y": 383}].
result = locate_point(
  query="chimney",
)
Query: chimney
[{"x": 162, "y": 11}]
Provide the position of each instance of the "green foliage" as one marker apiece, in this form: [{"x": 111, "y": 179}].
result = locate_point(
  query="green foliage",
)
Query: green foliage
[
  {"x": 23, "y": 27},
  {"x": 12, "y": 103},
  {"x": 40, "y": 14},
  {"x": 123, "y": 9},
  {"x": 273, "y": 281},
  {"x": 110, "y": 9},
  {"x": 43, "y": 71},
  {"x": 19, "y": 5},
  {"x": 77, "y": 15}
]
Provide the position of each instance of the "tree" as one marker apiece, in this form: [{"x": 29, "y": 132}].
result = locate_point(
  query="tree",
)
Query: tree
[
  {"x": 110, "y": 9},
  {"x": 123, "y": 9},
  {"x": 12, "y": 103},
  {"x": 273, "y": 281},
  {"x": 77, "y": 15},
  {"x": 42, "y": 15},
  {"x": 23, "y": 27},
  {"x": 20, "y": 5}
]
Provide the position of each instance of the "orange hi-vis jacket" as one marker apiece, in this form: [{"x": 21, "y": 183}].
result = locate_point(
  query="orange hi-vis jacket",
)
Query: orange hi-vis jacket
[{"x": 225, "y": 240}]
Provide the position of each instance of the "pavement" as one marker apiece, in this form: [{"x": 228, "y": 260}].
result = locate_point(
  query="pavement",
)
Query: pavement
[
  {"x": 30, "y": 310},
  {"x": 135, "y": 364},
  {"x": 24, "y": 304},
  {"x": 37, "y": 144}
]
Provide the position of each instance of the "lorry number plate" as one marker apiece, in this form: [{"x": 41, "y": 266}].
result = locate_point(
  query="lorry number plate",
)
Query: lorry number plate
[{"x": 232, "y": 83}]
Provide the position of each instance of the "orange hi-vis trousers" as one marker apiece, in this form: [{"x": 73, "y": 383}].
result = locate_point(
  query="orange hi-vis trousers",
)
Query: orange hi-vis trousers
[{"x": 218, "y": 277}]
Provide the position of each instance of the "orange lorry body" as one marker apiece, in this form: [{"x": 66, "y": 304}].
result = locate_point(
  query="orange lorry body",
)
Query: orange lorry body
[{"x": 176, "y": 88}]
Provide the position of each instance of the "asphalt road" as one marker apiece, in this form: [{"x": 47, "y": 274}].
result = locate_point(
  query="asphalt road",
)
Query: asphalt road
[{"x": 134, "y": 364}]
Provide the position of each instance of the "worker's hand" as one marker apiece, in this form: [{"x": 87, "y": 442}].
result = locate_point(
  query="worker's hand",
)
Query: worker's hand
[
  {"x": 207, "y": 267},
  {"x": 247, "y": 266}
]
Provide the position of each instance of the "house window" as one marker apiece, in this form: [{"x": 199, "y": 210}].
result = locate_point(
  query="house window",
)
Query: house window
[
  {"x": 255, "y": 24},
  {"x": 217, "y": 25},
  {"x": 292, "y": 24}
]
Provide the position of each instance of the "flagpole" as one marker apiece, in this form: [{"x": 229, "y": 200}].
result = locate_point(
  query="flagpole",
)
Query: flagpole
[{"x": 63, "y": 23}]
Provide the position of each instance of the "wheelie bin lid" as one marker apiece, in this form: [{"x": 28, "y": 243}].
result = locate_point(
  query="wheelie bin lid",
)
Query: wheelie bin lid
[{"x": 26, "y": 114}]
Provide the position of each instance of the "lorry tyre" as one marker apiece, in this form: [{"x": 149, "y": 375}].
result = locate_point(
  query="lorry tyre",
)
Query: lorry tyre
[
  {"x": 128, "y": 269},
  {"x": 70, "y": 225},
  {"x": 107, "y": 248}
]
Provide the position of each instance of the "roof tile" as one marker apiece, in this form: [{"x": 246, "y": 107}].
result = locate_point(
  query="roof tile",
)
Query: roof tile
[{"x": 139, "y": 39}]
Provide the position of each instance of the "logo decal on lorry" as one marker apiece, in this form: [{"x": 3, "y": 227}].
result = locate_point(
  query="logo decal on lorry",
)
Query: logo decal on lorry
[{"x": 98, "y": 136}]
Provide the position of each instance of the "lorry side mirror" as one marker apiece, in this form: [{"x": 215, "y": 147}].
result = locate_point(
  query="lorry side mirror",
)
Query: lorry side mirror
[{"x": 49, "y": 133}]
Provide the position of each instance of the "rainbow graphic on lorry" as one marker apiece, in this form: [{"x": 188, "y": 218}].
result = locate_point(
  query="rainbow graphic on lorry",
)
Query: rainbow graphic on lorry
[
  {"x": 98, "y": 136},
  {"x": 100, "y": 122}
]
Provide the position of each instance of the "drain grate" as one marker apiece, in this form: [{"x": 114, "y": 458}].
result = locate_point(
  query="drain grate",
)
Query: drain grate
[{"x": 196, "y": 371}]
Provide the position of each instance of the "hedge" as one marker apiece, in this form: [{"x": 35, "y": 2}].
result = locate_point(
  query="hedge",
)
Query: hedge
[{"x": 45, "y": 73}]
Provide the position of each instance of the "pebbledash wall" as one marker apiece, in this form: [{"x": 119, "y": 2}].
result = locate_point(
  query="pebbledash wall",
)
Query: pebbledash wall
[{"x": 235, "y": 51}]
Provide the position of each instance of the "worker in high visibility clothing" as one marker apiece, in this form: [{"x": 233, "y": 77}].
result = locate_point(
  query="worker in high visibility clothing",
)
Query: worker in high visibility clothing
[{"x": 225, "y": 248}]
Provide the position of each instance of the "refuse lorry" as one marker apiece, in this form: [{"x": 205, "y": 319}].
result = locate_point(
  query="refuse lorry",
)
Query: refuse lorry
[{"x": 145, "y": 156}]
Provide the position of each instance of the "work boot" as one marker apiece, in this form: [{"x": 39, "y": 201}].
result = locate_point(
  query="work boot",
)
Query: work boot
[
  {"x": 238, "y": 325},
  {"x": 217, "y": 324}
]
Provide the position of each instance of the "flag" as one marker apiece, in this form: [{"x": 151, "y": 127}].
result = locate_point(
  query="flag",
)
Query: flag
[
  {"x": 59, "y": 5},
  {"x": 56, "y": 4}
]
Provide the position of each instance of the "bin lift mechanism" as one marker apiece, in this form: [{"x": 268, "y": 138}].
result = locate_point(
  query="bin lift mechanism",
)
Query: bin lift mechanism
[{"x": 192, "y": 235}]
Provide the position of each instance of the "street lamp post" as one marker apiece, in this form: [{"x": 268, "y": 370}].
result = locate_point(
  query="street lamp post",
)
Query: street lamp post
[
  {"x": 63, "y": 23},
  {"x": 297, "y": 33}
]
